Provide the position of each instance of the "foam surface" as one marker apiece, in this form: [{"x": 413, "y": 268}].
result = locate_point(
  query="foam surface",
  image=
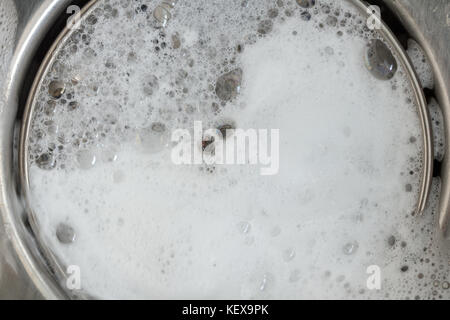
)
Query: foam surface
[
  {"x": 350, "y": 157},
  {"x": 421, "y": 64},
  {"x": 437, "y": 121}
]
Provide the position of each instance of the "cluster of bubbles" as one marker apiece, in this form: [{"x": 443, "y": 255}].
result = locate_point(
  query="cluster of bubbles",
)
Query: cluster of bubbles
[
  {"x": 421, "y": 255},
  {"x": 195, "y": 65},
  {"x": 135, "y": 70},
  {"x": 421, "y": 64},
  {"x": 437, "y": 122}
]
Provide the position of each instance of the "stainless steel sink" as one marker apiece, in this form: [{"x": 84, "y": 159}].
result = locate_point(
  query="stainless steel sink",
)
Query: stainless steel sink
[{"x": 24, "y": 273}]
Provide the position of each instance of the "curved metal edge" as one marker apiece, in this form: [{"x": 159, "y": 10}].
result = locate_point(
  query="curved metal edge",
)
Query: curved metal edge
[
  {"x": 10, "y": 205},
  {"x": 433, "y": 45},
  {"x": 24, "y": 155},
  {"x": 385, "y": 32},
  {"x": 422, "y": 108}
]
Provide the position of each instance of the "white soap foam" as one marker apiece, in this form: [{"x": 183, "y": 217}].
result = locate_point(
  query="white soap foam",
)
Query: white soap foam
[
  {"x": 350, "y": 158},
  {"x": 421, "y": 64},
  {"x": 437, "y": 122}
]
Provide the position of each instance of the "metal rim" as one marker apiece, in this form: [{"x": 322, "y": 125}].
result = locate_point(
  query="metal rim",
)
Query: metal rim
[
  {"x": 23, "y": 150},
  {"x": 384, "y": 31},
  {"x": 24, "y": 250},
  {"x": 441, "y": 88},
  {"x": 422, "y": 108}
]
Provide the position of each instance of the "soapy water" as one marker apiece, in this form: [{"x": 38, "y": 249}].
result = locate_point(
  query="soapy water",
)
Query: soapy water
[
  {"x": 421, "y": 64},
  {"x": 437, "y": 121},
  {"x": 108, "y": 198}
]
